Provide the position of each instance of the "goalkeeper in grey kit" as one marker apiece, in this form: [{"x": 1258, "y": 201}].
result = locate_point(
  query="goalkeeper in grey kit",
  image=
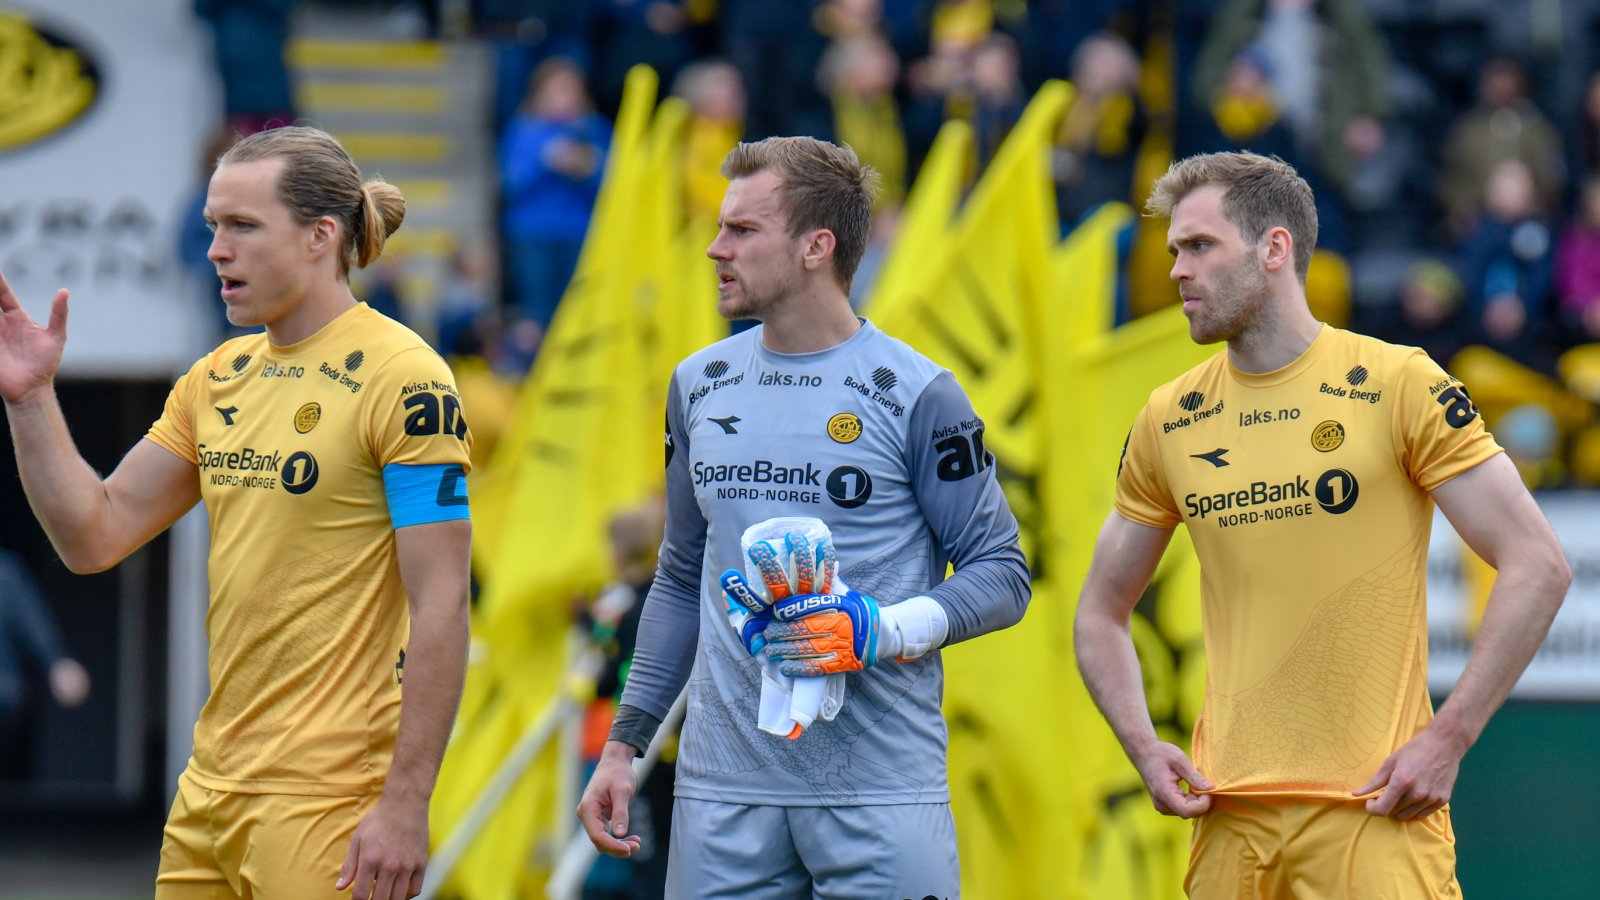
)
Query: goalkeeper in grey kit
[{"x": 818, "y": 415}]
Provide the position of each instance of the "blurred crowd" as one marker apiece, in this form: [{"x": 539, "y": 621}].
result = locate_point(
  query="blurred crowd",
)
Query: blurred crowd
[{"x": 1454, "y": 146}]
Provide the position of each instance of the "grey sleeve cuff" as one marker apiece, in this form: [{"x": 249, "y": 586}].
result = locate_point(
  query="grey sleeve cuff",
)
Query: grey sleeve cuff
[{"x": 635, "y": 727}]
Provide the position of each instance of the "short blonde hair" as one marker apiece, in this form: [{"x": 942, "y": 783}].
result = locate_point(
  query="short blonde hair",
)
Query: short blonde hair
[
  {"x": 1258, "y": 193},
  {"x": 820, "y": 185},
  {"x": 320, "y": 179}
]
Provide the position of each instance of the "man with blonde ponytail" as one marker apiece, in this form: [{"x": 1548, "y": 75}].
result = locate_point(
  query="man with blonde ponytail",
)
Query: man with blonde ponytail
[{"x": 331, "y": 452}]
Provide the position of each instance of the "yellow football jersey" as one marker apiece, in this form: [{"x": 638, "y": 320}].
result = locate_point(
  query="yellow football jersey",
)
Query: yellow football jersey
[
  {"x": 1305, "y": 491},
  {"x": 308, "y": 618}
]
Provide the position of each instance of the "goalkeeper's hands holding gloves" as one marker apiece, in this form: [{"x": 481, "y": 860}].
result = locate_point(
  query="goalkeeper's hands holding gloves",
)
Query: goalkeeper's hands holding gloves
[{"x": 825, "y": 634}]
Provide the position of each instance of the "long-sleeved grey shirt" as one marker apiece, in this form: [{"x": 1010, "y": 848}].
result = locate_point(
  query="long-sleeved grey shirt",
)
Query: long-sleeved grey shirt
[{"x": 881, "y": 444}]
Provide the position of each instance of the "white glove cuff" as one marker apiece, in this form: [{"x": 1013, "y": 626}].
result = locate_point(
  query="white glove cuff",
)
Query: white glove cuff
[{"x": 911, "y": 628}]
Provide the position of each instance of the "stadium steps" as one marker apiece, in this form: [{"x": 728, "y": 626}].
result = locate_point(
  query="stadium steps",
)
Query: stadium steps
[{"x": 413, "y": 111}]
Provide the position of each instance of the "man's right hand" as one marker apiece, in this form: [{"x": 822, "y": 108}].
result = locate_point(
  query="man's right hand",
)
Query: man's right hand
[
  {"x": 604, "y": 808},
  {"x": 1163, "y": 766},
  {"x": 29, "y": 355}
]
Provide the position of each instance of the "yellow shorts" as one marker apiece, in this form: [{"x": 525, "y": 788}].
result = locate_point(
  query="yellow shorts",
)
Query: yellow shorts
[
  {"x": 220, "y": 845},
  {"x": 1275, "y": 848}
]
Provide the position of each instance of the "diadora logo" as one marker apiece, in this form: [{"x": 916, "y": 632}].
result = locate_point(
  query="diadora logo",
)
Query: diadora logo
[
  {"x": 354, "y": 361},
  {"x": 1192, "y": 401},
  {"x": 1357, "y": 376},
  {"x": 727, "y": 423},
  {"x": 1215, "y": 457},
  {"x": 716, "y": 368},
  {"x": 884, "y": 378},
  {"x": 307, "y": 417},
  {"x": 786, "y": 379},
  {"x": 227, "y": 414},
  {"x": 300, "y": 473}
]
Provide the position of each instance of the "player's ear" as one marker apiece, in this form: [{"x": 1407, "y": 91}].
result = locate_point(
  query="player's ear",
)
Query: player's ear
[
  {"x": 820, "y": 245},
  {"x": 324, "y": 236},
  {"x": 1279, "y": 249}
]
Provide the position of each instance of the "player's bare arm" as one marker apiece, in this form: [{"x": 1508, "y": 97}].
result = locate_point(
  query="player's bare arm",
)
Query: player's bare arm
[
  {"x": 1125, "y": 556},
  {"x": 93, "y": 523},
  {"x": 389, "y": 851},
  {"x": 1499, "y": 520}
]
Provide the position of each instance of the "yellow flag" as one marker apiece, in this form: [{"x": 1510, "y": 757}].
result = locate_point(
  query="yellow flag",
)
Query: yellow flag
[
  {"x": 585, "y": 443},
  {"x": 925, "y": 222}
]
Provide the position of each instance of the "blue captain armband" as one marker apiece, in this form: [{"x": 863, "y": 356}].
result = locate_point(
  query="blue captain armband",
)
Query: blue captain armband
[{"x": 422, "y": 494}]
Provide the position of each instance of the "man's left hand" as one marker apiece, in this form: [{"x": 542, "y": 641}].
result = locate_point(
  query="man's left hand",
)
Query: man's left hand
[
  {"x": 1417, "y": 779},
  {"x": 388, "y": 853}
]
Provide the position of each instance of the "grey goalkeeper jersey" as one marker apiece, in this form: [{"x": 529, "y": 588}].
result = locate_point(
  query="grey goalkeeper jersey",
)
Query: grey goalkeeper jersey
[{"x": 882, "y": 445}]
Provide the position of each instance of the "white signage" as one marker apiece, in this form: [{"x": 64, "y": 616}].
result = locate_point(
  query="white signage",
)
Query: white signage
[
  {"x": 100, "y": 136},
  {"x": 1567, "y": 665}
]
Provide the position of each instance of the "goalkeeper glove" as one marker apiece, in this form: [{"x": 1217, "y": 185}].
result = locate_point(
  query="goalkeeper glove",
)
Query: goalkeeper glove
[
  {"x": 802, "y": 569},
  {"x": 827, "y": 634}
]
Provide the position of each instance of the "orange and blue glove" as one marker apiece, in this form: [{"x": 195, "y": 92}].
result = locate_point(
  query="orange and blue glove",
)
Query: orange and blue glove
[
  {"x": 823, "y": 634},
  {"x": 800, "y": 569}
]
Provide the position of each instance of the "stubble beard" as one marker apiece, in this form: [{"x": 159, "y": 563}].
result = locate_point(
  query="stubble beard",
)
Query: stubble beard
[
  {"x": 1235, "y": 308},
  {"x": 755, "y": 304}
]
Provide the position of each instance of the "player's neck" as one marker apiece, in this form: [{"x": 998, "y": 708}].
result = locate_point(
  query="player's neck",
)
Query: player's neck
[
  {"x": 1281, "y": 336},
  {"x": 809, "y": 322},
  {"x": 321, "y": 305}
]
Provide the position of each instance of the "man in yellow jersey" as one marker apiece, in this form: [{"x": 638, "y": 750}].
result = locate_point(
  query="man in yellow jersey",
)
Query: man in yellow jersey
[
  {"x": 1302, "y": 461},
  {"x": 331, "y": 453}
]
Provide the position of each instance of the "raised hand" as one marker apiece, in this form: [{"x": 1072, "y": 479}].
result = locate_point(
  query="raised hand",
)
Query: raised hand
[{"x": 29, "y": 355}]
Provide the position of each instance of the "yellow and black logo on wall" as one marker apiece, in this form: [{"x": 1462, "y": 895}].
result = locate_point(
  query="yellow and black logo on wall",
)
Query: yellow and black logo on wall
[{"x": 46, "y": 82}]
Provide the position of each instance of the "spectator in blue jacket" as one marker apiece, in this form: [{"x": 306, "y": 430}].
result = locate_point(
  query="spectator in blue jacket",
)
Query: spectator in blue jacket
[{"x": 551, "y": 160}]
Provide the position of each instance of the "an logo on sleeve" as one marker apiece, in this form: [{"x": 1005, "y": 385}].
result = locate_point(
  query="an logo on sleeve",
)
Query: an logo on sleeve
[
  {"x": 1327, "y": 436},
  {"x": 430, "y": 412},
  {"x": 844, "y": 427},
  {"x": 727, "y": 423},
  {"x": 1192, "y": 401},
  {"x": 1458, "y": 408},
  {"x": 354, "y": 361},
  {"x": 227, "y": 414},
  {"x": 961, "y": 451},
  {"x": 300, "y": 472},
  {"x": 1215, "y": 457},
  {"x": 885, "y": 378},
  {"x": 716, "y": 368},
  {"x": 1357, "y": 376}
]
